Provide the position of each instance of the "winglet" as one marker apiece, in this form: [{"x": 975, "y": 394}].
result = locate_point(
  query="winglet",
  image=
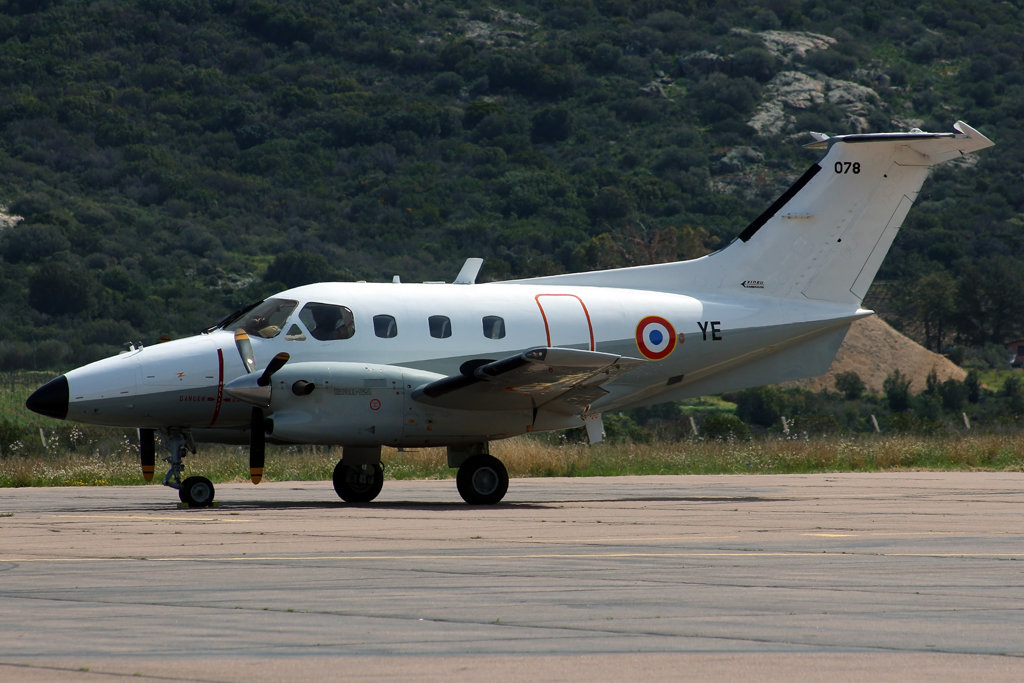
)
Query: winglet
[{"x": 470, "y": 269}]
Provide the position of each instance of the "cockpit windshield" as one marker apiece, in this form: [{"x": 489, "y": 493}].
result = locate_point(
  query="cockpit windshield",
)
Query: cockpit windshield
[{"x": 265, "y": 320}]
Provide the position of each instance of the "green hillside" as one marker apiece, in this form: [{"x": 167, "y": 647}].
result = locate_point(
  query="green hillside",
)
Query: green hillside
[{"x": 171, "y": 160}]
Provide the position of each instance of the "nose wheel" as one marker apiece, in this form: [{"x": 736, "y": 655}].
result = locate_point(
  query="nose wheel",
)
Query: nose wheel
[{"x": 196, "y": 492}]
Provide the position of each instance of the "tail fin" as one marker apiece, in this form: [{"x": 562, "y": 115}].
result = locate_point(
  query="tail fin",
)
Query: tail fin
[{"x": 826, "y": 236}]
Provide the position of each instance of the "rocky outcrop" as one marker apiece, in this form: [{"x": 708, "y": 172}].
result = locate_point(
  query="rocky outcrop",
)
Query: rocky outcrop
[
  {"x": 738, "y": 159},
  {"x": 790, "y": 46},
  {"x": 793, "y": 91},
  {"x": 8, "y": 220},
  {"x": 491, "y": 32}
]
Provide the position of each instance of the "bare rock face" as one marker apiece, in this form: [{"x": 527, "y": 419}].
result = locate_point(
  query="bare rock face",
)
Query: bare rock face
[
  {"x": 702, "y": 63},
  {"x": 791, "y": 46},
  {"x": 738, "y": 159},
  {"x": 788, "y": 91},
  {"x": 793, "y": 91},
  {"x": 855, "y": 100},
  {"x": 799, "y": 87}
]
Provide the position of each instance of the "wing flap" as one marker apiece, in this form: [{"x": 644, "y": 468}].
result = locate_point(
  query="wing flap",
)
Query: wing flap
[{"x": 565, "y": 380}]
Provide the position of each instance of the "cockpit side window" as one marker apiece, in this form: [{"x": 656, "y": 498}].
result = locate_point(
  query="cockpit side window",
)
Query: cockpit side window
[
  {"x": 328, "y": 321},
  {"x": 265, "y": 320}
]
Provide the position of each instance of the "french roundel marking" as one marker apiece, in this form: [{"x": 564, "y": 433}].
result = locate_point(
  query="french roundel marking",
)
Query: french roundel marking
[
  {"x": 375, "y": 404},
  {"x": 655, "y": 337}
]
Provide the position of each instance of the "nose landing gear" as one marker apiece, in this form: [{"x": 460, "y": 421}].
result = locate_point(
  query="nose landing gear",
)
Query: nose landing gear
[{"x": 195, "y": 492}]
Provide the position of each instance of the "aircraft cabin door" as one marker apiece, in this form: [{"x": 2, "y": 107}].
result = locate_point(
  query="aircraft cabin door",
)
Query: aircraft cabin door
[{"x": 566, "y": 321}]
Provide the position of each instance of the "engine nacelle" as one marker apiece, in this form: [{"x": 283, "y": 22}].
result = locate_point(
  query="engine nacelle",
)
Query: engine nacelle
[
  {"x": 342, "y": 403},
  {"x": 365, "y": 404}
]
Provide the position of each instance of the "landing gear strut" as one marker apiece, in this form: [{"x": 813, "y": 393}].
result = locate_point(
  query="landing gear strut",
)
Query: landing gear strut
[{"x": 195, "y": 492}]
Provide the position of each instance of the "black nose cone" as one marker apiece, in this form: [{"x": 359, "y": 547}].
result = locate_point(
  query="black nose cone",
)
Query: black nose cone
[{"x": 51, "y": 399}]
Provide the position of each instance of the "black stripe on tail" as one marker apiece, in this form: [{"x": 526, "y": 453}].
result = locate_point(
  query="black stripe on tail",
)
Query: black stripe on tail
[{"x": 779, "y": 203}]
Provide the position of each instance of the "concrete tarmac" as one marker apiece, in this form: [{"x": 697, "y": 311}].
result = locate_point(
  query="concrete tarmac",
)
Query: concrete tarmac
[{"x": 894, "y": 576}]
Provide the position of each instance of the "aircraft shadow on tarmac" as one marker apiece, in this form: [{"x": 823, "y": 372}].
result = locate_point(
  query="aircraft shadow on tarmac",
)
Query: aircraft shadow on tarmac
[
  {"x": 454, "y": 506},
  {"x": 457, "y": 506},
  {"x": 253, "y": 505}
]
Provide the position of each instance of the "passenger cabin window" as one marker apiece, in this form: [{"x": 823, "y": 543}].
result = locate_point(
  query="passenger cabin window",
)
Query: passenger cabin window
[
  {"x": 265, "y": 320},
  {"x": 385, "y": 326},
  {"x": 440, "y": 326},
  {"x": 328, "y": 321},
  {"x": 494, "y": 327}
]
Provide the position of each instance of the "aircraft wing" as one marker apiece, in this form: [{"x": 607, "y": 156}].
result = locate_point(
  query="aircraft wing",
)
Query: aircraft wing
[{"x": 564, "y": 380}]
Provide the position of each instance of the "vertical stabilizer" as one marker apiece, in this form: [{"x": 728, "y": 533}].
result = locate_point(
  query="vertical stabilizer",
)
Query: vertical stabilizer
[{"x": 825, "y": 237}]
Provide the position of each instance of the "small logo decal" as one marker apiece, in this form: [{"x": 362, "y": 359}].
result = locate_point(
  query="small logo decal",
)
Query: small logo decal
[
  {"x": 375, "y": 404},
  {"x": 655, "y": 337}
]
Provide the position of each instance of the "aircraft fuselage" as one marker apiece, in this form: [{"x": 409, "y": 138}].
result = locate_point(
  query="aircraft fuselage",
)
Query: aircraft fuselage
[{"x": 418, "y": 333}]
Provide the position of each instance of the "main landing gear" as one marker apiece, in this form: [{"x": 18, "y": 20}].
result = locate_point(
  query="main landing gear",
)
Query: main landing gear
[
  {"x": 196, "y": 492},
  {"x": 482, "y": 479},
  {"x": 358, "y": 483}
]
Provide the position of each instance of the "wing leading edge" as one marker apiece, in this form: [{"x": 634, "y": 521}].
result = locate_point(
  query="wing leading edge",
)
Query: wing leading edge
[{"x": 558, "y": 379}]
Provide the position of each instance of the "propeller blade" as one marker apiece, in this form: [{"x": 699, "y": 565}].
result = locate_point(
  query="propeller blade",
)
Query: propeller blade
[
  {"x": 245, "y": 352},
  {"x": 147, "y": 452},
  {"x": 257, "y": 445},
  {"x": 275, "y": 364}
]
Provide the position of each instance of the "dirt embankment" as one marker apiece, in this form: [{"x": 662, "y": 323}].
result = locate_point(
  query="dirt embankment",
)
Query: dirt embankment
[{"x": 873, "y": 350}]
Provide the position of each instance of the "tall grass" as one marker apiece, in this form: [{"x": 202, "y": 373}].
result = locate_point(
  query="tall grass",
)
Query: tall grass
[{"x": 530, "y": 457}]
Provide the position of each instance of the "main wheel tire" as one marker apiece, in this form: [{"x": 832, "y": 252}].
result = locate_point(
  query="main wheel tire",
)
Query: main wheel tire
[
  {"x": 482, "y": 480},
  {"x": 358, "y": 484},
  {"x": 196, "y": 492}
]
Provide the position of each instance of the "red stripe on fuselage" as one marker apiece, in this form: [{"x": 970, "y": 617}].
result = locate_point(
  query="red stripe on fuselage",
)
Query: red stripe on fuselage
[{"x": 220, "y": 386}]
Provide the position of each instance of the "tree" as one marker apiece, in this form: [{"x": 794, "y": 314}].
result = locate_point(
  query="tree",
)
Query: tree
[
  {"x": 723, "y": 426},
  {"x": 295, "y": 268},
  {"x": 990, "y": 306},
  {"x": 1013, "y": 391},
  {"x": 850, "y": 385},
  {"x": 760, "y": 405},
  {"x": 934, "y": 304},
  {"x": 973, "y": 384},
  {"x": 954, "y": 394},
  {"x": 58, "y": 289},
  {"x": 897, "y": 391},
  {"x": 553, "y": 124}
]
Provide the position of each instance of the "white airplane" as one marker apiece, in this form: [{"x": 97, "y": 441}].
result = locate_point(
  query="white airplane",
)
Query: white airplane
[{"x": 361, "y": 365}]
